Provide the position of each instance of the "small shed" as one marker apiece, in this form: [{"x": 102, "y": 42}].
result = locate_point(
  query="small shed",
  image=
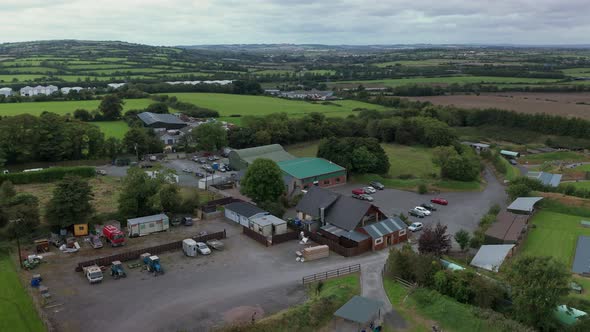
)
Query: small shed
[
  {"x": 510, "y": 154},
  {"x": 241, "y": 212},
  {"x": 360, "y": 310},
  {"x": 491, "y": 257},
  {"x": 547, "y": 179},
  {"x": 147, "y": 225},
  {"x": 385, "y": 233},
  {"x": 268, "y": 225},
  {"x": 524, "y": 205},
  {"x": 80, "y": 229}
]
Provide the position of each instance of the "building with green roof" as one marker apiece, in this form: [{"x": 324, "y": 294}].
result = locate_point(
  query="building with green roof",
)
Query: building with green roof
[
  {"x": 301, "y": 173},
  {"x": 241, "y": 159}
]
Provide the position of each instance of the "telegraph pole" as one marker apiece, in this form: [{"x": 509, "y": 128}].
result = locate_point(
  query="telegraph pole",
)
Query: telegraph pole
[{"x": 16, "y": 223}]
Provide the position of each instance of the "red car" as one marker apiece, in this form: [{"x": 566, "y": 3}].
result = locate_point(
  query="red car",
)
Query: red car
[
  {"x": 358, "y": 191},
  {"x": 439, "y": 201}
]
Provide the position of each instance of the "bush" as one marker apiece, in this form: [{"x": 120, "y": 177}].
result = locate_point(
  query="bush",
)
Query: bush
[
  {"x": 406, "y": 176},
  {"x": 494, "y": 209},
  {"x": 422, "y": 189},
  {"x": 48, "y": 174}
]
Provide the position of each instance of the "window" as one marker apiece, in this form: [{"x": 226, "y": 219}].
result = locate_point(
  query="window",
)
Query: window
[
  {"x": 402, "y": 232},
  {"x": 260, "y": 229},
  {"x": 152, "y": 225},
  {"x": 326, "y": 181},
  {"x": 379, "y": 240},
  {"x": 80, "y": 228},
  {"x": 338, "y": 180}
]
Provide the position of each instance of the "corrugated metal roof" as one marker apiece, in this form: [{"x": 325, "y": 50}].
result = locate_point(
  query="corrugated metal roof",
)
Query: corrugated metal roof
[
  {"x": 303, "y": 168},
  {"x": 384, "y": 227},
  {"x": 359, "y": 309},
  {"x": 524, "y": 204},
  {"x": 244, "y": 209},
  {"x": 545, "y": 178},
  {"x": 141, "y": 220},
  {"x": 491, "y": 257},
  {"x": 508, "y": 227},
  {"x": 352, "y": 235},
  {"x": 274, "y": 152},
  {"x": 509, "y": 153},
  {"x": 150, "y": 118},
  {"x": 581, "y": 263}
]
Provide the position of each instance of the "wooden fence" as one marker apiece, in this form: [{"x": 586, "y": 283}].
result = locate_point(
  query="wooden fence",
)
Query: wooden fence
[
  {"x": 134, "y": 254},
  {"x": 211, "y": 206},
  {"x": 332, "y": 273},
  {"x": 255, "y": 236},
  {"x": 280, "y": 238}
]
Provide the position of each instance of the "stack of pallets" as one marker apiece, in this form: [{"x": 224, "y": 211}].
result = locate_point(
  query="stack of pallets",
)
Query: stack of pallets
[{"x": 316, "y": 252}]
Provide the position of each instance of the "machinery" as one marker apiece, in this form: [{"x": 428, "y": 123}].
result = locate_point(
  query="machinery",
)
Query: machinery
[
  {"x": 153, "y": 264},
  {"x": 93, "y": 273},
  {"x": 117, "y": 270},
  {"x": 32, "y": 262},
  {"x": 113, "y": 235}
]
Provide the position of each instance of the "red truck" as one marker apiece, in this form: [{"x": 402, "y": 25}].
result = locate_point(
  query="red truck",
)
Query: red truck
[{"x": 113, "y": 235}]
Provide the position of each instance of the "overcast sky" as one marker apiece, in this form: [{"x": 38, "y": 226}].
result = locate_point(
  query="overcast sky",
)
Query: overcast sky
[{"x": 191, "y": 22}]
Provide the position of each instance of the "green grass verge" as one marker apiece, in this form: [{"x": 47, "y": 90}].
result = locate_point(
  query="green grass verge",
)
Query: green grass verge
[
  {"x": 116, "y": 129},
  {"x": 551, "y": 156},
  {"x": 17, "y": 312},
  {"x": 578, "y": 185},
  {"x": 63, "y": 107}
]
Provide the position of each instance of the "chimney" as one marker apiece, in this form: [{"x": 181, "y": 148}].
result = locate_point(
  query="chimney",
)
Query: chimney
[{"x": 322, "y": 220}]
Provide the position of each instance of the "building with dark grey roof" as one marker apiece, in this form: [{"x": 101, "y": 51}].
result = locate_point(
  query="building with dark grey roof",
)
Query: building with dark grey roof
[
  {"x": 581, "y": 263},
  {"x": 386, "y": 232},
  {"x": 547, "y": 179},
  {"x": 241, "y": 212},
  {"x": 155, "y": 120},
  {"x": 508, "y": 228}
]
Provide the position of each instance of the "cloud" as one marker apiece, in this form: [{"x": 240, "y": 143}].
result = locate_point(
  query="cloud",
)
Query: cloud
[{"x": 186, "y": 22}]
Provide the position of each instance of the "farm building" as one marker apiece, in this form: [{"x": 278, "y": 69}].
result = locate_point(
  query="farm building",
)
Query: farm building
[
  {"x": 147, "y": 225},
  {"x": 361, "y": 310},
  {"x": 508, "y": 228},
  {"x": 581, "y": 263},
  {"x": 172, "y": 136},
  {"x": 66, "y": 90},
  {"x": 490, "y": 257},
  {"x": 155, "y": 120},
  {"x": 6, "y": 92},
  {"x": 386, "y": 232},
  {"x": 524, "y": 205},
  {"x": 302, "y": 173},
  {"x": 241, "y": 212},
  {"x": 241, "y": 159},
  {"x": 38, "y": 90},
  {"x": 115, "y": 86},
  {"x": 312, "y": 94},
  {"x": 268, "y": 225},
  {"x": 547, "y": 179},
  {"x": 213, "y": 180},
  {"x": 478, "y": 147},
  {"x": 509, "y": 154}
]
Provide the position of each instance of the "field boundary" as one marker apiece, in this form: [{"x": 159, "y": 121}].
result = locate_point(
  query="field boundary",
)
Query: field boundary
[{"x": 331, "y": 274}]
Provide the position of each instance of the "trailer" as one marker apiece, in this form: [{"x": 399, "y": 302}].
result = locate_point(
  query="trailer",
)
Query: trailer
[
  {"x": 189, "y": 247},
  {"x": 147, "y": 225}
]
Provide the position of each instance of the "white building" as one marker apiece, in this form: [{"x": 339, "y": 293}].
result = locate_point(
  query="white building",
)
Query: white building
[
  {"x": 219, "y": 82},
  {"x": 115, "y": 85},
  {"x": 38, "y": 90},
  {"x": 6, "y": 92},
  {"x": 66, "y": 90}
]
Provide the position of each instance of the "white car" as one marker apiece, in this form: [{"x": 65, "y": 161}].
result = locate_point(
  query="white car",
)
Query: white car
[
  {"x": 423, "y": 210},
  {"x": 416, "y": 226},
  {"x": 369, "y": 190},
  {"x": 187, "y": 170},
  {"x": 203, "y": 249}
]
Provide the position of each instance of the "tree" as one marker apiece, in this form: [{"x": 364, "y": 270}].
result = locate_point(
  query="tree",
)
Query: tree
[
  {"x": 263, "y": 181},
  {"x": 70, "y": 203},
  {"x": 112, "y": 147},
  {"x": 518, "y": 190},
  {"x": 136, "y": 138},
  {"x": 111, "y": 107},
  {"x": 82, "y": 115},
  {"x": 137, "y": 197},
  {"x": 168, "y": 198},
  {"x": 160, "y": 108},
  {"x": 462, "y": 237},
  {"x": 362, "y": 160},
  {"x": 275, "y": 208},
  {"x": 210, "y": 136},
  {"x": 538, "y": 285},
  {"x": 23, "y": 208},
  {"x": 7, "y": 191},
  {"x": 434, "y": 241}
]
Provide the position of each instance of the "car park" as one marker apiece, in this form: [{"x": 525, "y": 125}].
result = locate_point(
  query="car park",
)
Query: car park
[
  {"x": 439, "y": 201},
  {"x": 203, "y": 249},
  {"x": 358, "y": 191},
  {"x": 369, "y": 190},
  {"x": 200, "y": 174},
  {"x": 187, "y": 170},
  {"x": 415, "y": 226},
  {"x": 377, "y": 185},
  {"x": 425, "y": 211},
  {"x": 416, "y": 213},
  {"x": 363, "y": 197},
  {"x": 428, "y": 206}
]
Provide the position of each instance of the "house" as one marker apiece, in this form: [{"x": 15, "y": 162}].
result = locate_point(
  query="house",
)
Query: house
[
  {"x": 241, "y": 159},
  {"x": 267, "y": 225},
  {"x": 38, "y": 90},
  {"x": 172, "y": 136},
  {"x": 509, "y": 154},
  {"x": 508, "y": 228},
  {"x": 302, "y": 173},
  {"x": 66, "y": 90},
  {"x": 155, "y": 120},
  {"x": 524, "y": 205},
  {"x": 115, "y": 86},
  {"x": 147, "y": 225},
  {"x": 491, "y": 257},
  {"x": 6, "y": 92},
  {"x": 547, "y": 179},
  {"x": 241, "y": 212},
  {"x": 581, "y": 263},
  {"x": 387, "y": 232}
]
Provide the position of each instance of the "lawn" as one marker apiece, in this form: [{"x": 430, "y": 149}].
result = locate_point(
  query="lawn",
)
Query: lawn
[
  {"x": 63, "y": 107},
  {"x": 449, "y": 80},
  {"x": 116, "y": 129},
  {"x": 554, "y": 234},
  {"x": 540, "y": 158},
  {"x": 414, "y": 161},
  {"x": 16, "y": 307},
  {"x": 227, "y": 105}
]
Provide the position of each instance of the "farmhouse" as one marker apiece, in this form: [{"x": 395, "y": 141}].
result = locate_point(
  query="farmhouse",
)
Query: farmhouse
[
  {"x": 302, "y": 173},
  {"x": 6, "y": 92},
  {"x": 155, "y": 120},
  {"x": 66, "y": 90},
  {"x": 491, "y": 257},
  {"x": 509, "y": 228},
  {"x": 241, "y": 159},
  {"x": 241, "y": 212},
  {"x": 524, "y": 205},
  {"x": 547, "y": 179}
]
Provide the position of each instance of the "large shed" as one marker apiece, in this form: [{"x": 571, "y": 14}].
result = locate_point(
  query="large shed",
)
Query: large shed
[
  {"x": 547, "y": 179},
  {"x": 241, "y": 212},
  {"x": 508, "y": 228},
  {"x": 303, "y": 173},
  {"x": 510, "y": 154},
  {"x": 360, "y": 309},
  {"x": 491, "y": 257},
  {"x": 524, "y": 205},
  {"x": 155, "y": 120},
  {"x": 241, "y": 159},
  {"x": 581, "y": 263}
]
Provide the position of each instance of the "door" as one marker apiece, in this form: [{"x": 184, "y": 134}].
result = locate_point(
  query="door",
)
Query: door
[{"x": 158, "y": 226}]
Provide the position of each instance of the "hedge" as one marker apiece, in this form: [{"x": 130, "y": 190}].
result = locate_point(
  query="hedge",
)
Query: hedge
[{"x": 48, "y": 174}]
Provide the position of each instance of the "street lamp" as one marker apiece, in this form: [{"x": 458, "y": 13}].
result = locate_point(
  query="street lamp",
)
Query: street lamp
[{"x": 16, "y": 221}]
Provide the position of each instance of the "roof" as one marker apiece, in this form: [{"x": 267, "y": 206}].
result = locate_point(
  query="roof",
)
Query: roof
[
  {"x": 508, "y": 227},
  {"x": 268, "y": 219},
  {"x": 509, "y": 153},
  {"x": 581, "y": 263},
  {"x": 302, "y": 168},
  {"x": 545, "y": 178},
  {"x": 491, "y": 257},
  {"x": 315, "y": 199},
  {"x": 274, "y": 152},
  {"x": 141, "y": 220},
  {"x": 244, "y": 209},
  {"x": 387, "y": 226},
  {"x": 150, "y": 118},
  {"x": 524, "y": 204},
  {"x": 568, "y": 315},
  {"x": 352, "y": 235},
  {"x": 451, "y": 266},
  {"x": 359, "y": 309}
]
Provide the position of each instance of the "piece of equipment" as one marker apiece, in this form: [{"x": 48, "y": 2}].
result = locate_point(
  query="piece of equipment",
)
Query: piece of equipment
[
  {"x": 215, "y": 244},
  {"x": 32, "y": 262},
  {"x": 189, "y": 247},
  {"x": 153, "y": 265},
  {"x": 93, "y": 273},
  {"x": 117, "y": 270}
]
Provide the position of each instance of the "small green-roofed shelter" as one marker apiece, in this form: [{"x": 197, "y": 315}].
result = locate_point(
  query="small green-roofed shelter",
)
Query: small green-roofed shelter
[
  {"x": 360, "y": 310},
  {"x": 509, "y": 154},
  {"x": 568, "y": 315}
]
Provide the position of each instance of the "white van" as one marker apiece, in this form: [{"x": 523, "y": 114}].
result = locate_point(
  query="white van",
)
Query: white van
[{"x": 189, "y": 246}]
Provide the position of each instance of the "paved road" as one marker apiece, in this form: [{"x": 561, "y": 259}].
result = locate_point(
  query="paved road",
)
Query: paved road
[{"x": 372, "y": 287}]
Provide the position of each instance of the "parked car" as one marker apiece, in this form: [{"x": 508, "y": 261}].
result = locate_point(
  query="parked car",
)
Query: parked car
[
  {"x": 363, "y": 197},
  {"x": 369, "y": 190},
  {"x": 101, "y": 172},
  {"x": 358, "y": 191},
  {"x": 213, "y": 158},
  {"x": 425, "y": 211},
  {"x": 153, "y": 158},
  {"x": 428, "y": 206},
  {"x": 95, "y": 242},
  {"x": 202, "y": 161},
  {"x": 439, "y": 201},
  {"x": 415, "y": 226},
  {"x": 209, "y": 169},
  {"x": 187, "y": 221},
  {"x": 512, "y": 162},
  {"x": 203, "y": 249},
  {"x": 187, "y": 170},
  {"x": 200, "y": 174},
  {"x": 416, "y": 213},
  {"x": 377, "y": 185}
]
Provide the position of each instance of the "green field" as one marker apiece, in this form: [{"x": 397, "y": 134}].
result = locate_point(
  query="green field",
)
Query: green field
[
  {"x": 410, "y": 160},
  {"x": 19, "y": 77},
  {"x": 64, "y": 107},
  {"x": 115, "y": 129},
  {"x": 555, "y": 235},
  {"x": 449, "y": 80},
  {"x": 227, "y": 105},
  {"x": 577, "y": 72},
  {"x": 29, "y": 70},
  {"x": 414, "y": 63},
  {"x": 551, "y": 156},
  {"x": 17, "y": 313}
]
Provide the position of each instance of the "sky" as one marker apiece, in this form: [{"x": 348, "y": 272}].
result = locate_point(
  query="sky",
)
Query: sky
[{"x": 353, "y": 22}]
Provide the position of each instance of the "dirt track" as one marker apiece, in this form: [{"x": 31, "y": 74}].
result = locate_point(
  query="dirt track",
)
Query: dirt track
[{"x": 565, "y": 104}]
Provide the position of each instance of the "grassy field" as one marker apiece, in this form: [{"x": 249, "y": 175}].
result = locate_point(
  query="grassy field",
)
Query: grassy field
[
  {"x": 410, "y": 160},
  {"x": 555, "y": 235},
  {"x": 450, "y": 80},
  {"x": 17, "y": 313},
  {"x": 64, "y": 107},
  {"x": 260, "y": 105},
  {"x": 116, "y": 129},
  {"x": 578, "y": 185},
  {"x": 551, "y": 156}
]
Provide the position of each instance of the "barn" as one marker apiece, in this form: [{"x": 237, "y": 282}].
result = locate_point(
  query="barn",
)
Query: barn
[
  {"x": 302, "y": 173},
  {"x": 155, "y": 120},
  {"x": 241, "y": 212},
  {"x": 241, "y": 159}
]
